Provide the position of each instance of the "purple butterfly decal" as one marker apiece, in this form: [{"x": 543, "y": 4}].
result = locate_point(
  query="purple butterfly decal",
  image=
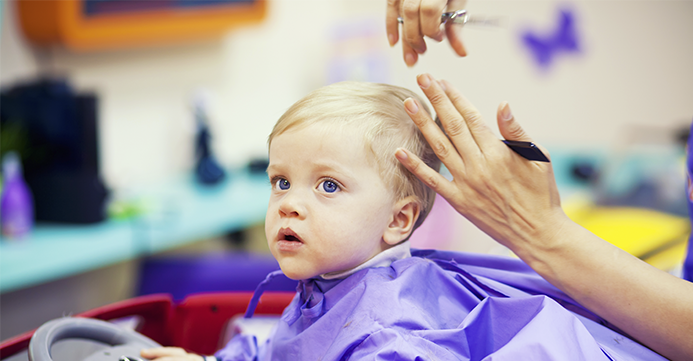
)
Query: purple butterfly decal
[{"x": 545, "y": 47}]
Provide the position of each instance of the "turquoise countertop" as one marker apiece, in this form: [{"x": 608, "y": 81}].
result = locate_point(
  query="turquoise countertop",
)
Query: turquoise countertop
[{"x": 178, "y": 212}]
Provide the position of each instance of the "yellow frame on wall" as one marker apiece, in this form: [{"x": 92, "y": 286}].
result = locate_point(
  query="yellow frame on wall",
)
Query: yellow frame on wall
[{"x": 64, "y": 22}]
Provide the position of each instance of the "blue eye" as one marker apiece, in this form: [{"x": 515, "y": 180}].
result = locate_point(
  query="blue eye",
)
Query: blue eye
[
  {"x": 330, "y": 186},
  {"x": 283, "y": 184}
]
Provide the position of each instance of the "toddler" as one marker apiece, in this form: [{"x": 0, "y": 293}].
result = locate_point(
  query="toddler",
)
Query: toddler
[{"x": 339, "y": 217}]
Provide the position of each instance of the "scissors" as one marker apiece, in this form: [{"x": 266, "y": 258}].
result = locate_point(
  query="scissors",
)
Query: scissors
[{"x": 461, "y": 17}]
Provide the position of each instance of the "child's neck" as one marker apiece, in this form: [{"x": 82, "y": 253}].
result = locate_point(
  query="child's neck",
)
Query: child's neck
[{"x": 382, "y": 259}]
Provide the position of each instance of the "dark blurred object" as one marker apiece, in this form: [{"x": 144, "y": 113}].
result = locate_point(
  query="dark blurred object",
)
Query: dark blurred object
[
  {"x": 682, "y": 135},
  {"x": 237, "y": 239},
  {"x": 257, "y": 166},
  {"x": 55, "y": 132},
  {"x": 584, "y": 171},
  {"x": 207, "y": 169}
]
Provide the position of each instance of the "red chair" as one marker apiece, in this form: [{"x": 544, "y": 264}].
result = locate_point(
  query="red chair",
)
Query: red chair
[
  {"x": 199, "y": 320},
  {"x": 195, "y": 324}
]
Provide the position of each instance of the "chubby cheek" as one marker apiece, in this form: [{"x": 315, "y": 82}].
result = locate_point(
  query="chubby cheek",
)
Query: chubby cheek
[
  {"x": 347, "y": 241},
  {"x": 270, "y": 221}
]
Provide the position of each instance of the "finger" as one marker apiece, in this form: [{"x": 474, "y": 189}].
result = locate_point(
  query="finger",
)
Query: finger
[
  {"x": 391, "y": 23},
  {"x": 440, "y": 37},
  {"x": 162, "y": 352},
  {"x": 423, "y": 172},
  {"x": 480, "y": 132},
  {"x": 454, "y": 31},
  {"x": 411, "y": 31},
  {"x": 410, "y": 55},
  {"x": 440, "y": 144},
  {"x": 430, "y": 13},
  {"x": 453, "y": 121},
  {"x": 186, "y": 357},
  {"x": 454, "y": 34},
  {"x": 510, "y": 129}
]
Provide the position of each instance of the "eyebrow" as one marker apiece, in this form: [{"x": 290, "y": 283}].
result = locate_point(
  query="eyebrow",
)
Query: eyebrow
[
  {"x": 331, "y": 167},
  {"x": 269, "y": 168}
]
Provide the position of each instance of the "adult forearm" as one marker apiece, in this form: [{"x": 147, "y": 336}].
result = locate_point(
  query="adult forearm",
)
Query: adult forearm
[{"x": 652, "y": 306}]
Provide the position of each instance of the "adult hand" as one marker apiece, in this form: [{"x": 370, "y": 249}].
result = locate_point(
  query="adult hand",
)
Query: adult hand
[
  {"x": 169, "y": 354},
  {"x": 514, "y": 200},
  {"x": 422, "y": 19}
]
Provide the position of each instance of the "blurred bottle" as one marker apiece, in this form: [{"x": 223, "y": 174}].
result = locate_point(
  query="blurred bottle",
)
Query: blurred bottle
[
  {"x": 17, "y": 203},
  {"x": 207, "y": 170}
]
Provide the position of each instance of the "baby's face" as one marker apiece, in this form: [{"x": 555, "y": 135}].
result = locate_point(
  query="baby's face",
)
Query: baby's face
[{"x": 329, "y": 207}]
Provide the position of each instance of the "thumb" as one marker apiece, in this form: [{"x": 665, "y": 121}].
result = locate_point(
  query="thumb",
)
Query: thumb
[{"x": 509, "y": 128}]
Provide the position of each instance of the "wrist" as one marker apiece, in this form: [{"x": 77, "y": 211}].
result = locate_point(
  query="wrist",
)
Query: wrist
[{"x": 548, "y": 243}]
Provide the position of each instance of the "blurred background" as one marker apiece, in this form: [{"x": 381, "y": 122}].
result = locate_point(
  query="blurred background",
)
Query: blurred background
[{"x": 141, "y": 130}]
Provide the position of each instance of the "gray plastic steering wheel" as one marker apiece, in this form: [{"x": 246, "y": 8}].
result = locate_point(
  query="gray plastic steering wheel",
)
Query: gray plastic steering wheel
[{"x": 124, "y": 343}]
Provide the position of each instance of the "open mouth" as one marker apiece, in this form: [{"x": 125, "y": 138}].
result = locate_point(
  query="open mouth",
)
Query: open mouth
[
  {"x": 286, "y": 234},
  {"x": 288, "y": 241},
  {"x": 291, "y": 239}
]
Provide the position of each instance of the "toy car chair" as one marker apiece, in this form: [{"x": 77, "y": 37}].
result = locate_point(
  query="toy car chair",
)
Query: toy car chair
[
  {"x": 201, "y": 322},
  {"x": 152, "y": 313},
  {"x": 196, "y": 324}
]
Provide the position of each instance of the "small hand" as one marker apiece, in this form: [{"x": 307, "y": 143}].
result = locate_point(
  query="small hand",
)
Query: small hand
[
  {"x": 422, "y": 19},
  {"x": 169, "y": 354},
  {"x": 514, "y": 200}
]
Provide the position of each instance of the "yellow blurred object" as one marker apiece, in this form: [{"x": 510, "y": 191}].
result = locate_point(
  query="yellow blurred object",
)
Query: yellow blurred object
[
  {"x": 70, "y": 24},
  {"x": 670, "y": 257},
  {"x": 657, "y": 238}
]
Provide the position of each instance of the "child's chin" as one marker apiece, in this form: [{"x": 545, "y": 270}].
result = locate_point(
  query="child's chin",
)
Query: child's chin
[{"x": 295, "y": 274}]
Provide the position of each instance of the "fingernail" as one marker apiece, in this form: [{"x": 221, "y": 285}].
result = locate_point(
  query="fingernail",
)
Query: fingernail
[
  {"x": 409, "y": 59},
  {"x": 506, "y": 114},
  {"x": 442, "y": 85},
  {"x": 411, "y": 106},
  {"x": 391, "y": 39},
  {"x": 424, "y": 81},
  {"x": 401, "y": 154}
]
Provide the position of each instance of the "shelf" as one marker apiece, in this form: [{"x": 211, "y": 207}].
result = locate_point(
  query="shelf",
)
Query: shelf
[
  {"x": 88, "y": 25},
  {"x": 187, "y": 213}
]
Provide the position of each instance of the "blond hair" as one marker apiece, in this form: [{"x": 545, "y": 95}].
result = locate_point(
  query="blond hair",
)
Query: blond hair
[{"x": 378, "y": 110}]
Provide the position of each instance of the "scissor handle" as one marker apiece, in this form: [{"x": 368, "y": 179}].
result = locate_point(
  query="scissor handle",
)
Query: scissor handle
[{"x": 456, "y": 17}]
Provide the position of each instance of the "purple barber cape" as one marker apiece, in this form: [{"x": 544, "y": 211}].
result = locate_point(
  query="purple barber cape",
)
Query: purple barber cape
[{"x": 436, "y": 305}]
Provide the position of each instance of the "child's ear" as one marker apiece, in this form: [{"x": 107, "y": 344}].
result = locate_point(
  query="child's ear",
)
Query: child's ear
[{"x": 404, "y": 215}]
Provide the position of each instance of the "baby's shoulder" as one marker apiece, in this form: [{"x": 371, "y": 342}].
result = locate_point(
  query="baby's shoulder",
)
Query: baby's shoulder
[{"x": 409, "y": 274}]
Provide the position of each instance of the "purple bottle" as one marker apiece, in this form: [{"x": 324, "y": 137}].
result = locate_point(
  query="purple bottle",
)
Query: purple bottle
[{"x": 17, "y": 202}]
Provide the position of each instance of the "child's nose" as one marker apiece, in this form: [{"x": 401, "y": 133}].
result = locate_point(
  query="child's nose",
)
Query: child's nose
[{"x": 292, "y": 205}]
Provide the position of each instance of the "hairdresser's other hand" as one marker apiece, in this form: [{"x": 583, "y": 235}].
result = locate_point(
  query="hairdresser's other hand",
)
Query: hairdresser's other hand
[
  {"x": 422, "y": 19},
  {"x": 169, "y": 354},
  {"x": 513, "y": 200}
]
